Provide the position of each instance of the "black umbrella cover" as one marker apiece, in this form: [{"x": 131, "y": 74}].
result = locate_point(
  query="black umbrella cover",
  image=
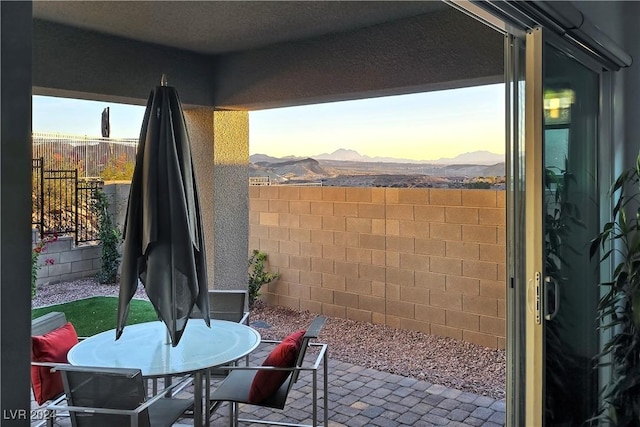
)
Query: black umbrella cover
[{"x": 163, "y": 239}]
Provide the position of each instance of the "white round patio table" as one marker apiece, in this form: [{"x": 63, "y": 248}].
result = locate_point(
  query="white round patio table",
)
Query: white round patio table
[{"x": 146, "y": 346}]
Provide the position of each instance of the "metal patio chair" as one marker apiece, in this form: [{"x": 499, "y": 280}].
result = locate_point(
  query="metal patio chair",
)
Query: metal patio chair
[
  {"x": 106, "y": 397},
  {"x": 236, "y": 388},
  {"x": 43, "y": 325}
]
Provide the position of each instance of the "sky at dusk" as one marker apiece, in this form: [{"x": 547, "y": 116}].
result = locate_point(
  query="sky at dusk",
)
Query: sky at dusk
[{"x": 423, "y": 126}]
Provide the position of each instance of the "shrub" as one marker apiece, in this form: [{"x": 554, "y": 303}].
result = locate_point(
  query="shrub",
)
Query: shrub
[
  {"x": 257, "y": 275},
  {"x": 110, "y": 238},
  {"x": 118, "y": 169}
]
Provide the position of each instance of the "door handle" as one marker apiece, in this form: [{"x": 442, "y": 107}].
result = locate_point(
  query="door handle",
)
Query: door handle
[{"x": 550, "y": 282}]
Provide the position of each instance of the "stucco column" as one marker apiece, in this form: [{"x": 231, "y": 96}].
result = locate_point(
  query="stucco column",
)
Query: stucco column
[
  {"x": 15, "y": 212},
  {"x": 220, "y": 149}
]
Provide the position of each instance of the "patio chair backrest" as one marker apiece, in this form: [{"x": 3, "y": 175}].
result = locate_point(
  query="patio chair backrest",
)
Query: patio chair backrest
[
  {"x": 108, "y": 388},
  {"x": 226, "y": 305},
  {"x": 47, "y": 323},
  {"x": 313, "y": 331}
]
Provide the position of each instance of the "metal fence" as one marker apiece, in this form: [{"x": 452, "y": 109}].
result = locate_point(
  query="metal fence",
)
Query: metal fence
[
  {"x": 89, "y": 155},
  {"x": 62, "y": 203}
]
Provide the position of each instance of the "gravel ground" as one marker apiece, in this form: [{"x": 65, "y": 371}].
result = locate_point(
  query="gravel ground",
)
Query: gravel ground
[{"x": 439, "y": 360}]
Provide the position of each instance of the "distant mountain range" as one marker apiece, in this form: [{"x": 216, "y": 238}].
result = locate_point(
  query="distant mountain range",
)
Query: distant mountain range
[{"x": 347, "y": 155}]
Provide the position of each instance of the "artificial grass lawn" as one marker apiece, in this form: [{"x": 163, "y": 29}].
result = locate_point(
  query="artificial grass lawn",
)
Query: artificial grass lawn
[{"x": 97, "y": 314}]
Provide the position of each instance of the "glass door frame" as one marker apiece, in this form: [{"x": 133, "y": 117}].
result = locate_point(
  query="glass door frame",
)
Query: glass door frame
[
  {"x": 537, "y": 39},
  {"x": 524, "y": 118}
]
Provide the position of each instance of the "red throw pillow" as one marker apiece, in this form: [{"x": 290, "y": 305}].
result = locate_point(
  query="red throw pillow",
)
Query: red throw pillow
[
  {"x": 265, "y": 383},
  {"x": 50, "y": 347}
]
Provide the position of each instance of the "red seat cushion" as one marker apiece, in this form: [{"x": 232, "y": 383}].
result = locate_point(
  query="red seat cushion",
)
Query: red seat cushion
[
  {"x": 50, "y": 347},
  {"x": 265, "y": 383}
]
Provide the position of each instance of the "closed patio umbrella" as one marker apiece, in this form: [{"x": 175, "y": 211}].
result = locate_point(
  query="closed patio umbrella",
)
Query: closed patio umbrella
[{"x": 163, "y": 240}]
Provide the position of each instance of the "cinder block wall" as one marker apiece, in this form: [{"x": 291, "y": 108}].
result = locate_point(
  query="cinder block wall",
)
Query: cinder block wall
[
  {"x": 431, "y": 260},
  {"x": 69, "y": 262}
]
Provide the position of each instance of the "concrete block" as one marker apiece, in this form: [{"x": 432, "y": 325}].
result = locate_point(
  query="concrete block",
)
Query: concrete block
[
  {"x": 288, "y": 220},
  {"x": 480, "y": 269},
  {"x": 430, "y": 280},
  {"x": 414, "y": 262},
  {"x": 372, "y": 241},
  {"x": 290, "y": 247},
  {"x": 461, "y": 215},
  {"x": 337, "y": 194},
  {"x": 404, "y": 212},
  {"x": 413, "y": 196},
  {"x": 278, "y": 233},
  {"x": 479, "y": 233},
  {"x": 300, "y": 235},
  {"x": 311, "y": 222},
  {"x": 280, "y": 206},
  {"x": 493, "y": 326},
  {"x": 347, "y": 269},
  {"x": 322, "y": 265},
  {"x": 373, "y": 304},
  {"x": 310, "y": 193},
  {"x": 429, "y": 314},
  {"x": 463, "y": 285},
  {"x": 332, "y": 310},
  {"x": 334, "y": 282},
  {"x": 429, "y": 213},
  {"x": 488, "y": 216},
  {"x": 415, "y": 229},
  {"x": 430, "y": 246},
  {"x": 289, "y": 193},
  {"x": 321, "y": 208},
  {"x": 464, "y": 250},
  {"x": 358, "y": 225},
  {"x": 358, "y": 286},
  {"x": 493, "y": 289},
  {"x": 445, "y": 300},
  {"x": 493, "y": 253},
  {"x": 300, "y": 207},
  {"x": 414, "y": 295},
  {"x": 460, "y": 320},
  {"x": 81, "y": 266},
  {"x": 267, "y": 218},
  {"x": 480, "y": 305},
  {"x": 445, "y": 197},
  {"x": 323, "y": 237},
  {"x": 345, "y": 209},
  {"x": 335, "y": 223},
  {"x": 359, "y": 255},
  {"x": 372, "y": 272},
  {"x": 358, "y": 194},
  {"x": 450, "y": 266},
  {"x": 445, "y": 231},
  {"x": 485, "y": 198},
  {"x": 346, "y": 299},
  {"x": 371, "y": 210},
  {"x": 400, "y": 276},
  {"x": 321, "y": 295}
]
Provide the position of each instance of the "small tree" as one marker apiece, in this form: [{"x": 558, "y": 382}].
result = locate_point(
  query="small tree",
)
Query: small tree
[
  {"x": 110, "y": 239},
  {"x": 257, "y": 275}
]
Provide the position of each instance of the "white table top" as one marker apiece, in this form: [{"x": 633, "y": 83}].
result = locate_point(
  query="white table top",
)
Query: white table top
[{"x": 145, "y": 346}]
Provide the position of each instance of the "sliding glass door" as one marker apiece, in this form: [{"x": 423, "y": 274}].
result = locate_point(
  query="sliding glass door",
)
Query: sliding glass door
[{"x": 562, "y": 216}]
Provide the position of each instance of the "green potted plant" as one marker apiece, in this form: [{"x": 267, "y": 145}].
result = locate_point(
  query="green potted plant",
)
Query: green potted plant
[{"x": 619, "y": 308}]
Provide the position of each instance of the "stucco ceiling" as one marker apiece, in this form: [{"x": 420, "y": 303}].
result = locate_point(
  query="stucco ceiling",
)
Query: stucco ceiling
[{"x": 214, "y": 27}]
